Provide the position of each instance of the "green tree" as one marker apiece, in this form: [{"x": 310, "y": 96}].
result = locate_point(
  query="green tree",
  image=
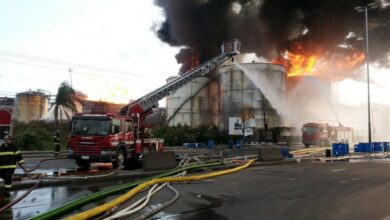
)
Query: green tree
[
  {"x": 38, "y": 135},
  {"x": 64, "y": 99}
]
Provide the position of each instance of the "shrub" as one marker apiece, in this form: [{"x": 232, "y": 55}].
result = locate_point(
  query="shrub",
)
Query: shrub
[
  {"x": 38, "y": 135},
  {"x": 178, "y": 135},
  {"x": 28, "y": 140}
]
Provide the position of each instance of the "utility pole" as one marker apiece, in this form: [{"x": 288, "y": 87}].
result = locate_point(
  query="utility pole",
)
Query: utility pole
[
  {"x": 264, "y": 117},
  {"x": 70, "y": 77},
  {"x": 365, "y": 9}
]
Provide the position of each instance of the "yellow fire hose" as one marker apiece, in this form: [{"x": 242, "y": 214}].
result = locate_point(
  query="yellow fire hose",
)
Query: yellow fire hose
[
  {"x": 308, "y": 150},
  {"x": 103, "y": 208}
]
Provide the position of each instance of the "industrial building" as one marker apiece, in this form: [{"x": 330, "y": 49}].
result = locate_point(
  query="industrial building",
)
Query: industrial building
[
  {"x": 7, "y": 101},
  {"x": 233, "y": 90},
  {"x": 31, "y": 105},
  {"x": 36, "y": 105},
  {"x": 230, "y": 92}
]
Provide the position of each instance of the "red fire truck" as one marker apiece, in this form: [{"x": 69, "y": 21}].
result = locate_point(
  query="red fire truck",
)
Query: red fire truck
[
  {"x": 321, "y": 134},
  {"x": 123, "y": 138},
  {"x": 108, "y": 138},
  {"x": 5, "y": 121}
]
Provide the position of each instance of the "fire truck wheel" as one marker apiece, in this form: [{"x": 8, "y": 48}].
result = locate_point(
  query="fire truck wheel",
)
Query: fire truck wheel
[
  {"x": 83, "y": 164},
  {"x": 120, "y": 159}
]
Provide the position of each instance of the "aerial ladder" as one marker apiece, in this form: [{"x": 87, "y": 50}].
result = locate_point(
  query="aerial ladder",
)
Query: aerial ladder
[
  {"x": 143, "y": 106},
  {"x": 123, "y": 139}
]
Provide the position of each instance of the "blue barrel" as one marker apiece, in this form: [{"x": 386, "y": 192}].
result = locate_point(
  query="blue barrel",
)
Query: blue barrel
[
  {"x": 367, "y": 148},
  {"x": 357, "y": 148},
  {"x": 238, "y": 144},
  {"x": 378, "y": 146},
  {"x": 286, "y": 152},
  {"x": 336, "y": 149},
  {"x": 386, "y": 146},
  {"x": 343, "y": 147},
  {"x": 190, "y": 145},
  {"x": 361, "y": 147},
  {"x": 210, "y": 144}
]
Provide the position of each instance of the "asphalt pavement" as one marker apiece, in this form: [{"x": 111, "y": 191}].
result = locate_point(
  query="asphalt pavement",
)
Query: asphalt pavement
[
  {"x": 354, "y": 189},
  {"x": 337, "y": 190}
]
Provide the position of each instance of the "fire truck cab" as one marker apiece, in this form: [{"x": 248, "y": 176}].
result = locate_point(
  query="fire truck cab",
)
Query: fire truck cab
[
  {"x": 321, "y": 134},
  {"x": 108, "y": 138}
]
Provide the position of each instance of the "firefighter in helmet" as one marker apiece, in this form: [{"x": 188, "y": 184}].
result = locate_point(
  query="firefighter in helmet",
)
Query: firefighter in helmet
[
  {"x": 57, "y": 146},
  {"x": 9, "y": 157}
]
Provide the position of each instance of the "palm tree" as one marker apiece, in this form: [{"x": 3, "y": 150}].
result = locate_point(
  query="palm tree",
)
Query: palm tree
[{"x": 64, "y": 99}]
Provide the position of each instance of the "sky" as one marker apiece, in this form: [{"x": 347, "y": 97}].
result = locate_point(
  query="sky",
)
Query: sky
[{"x": 106, "y": 49}]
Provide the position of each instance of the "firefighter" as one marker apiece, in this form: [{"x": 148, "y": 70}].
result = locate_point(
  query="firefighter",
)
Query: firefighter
[
  {"x": 9, "y": 156},
  {"x": 57, "y": 146}
]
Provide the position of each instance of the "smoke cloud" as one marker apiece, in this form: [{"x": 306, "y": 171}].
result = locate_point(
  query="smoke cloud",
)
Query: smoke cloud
[
  {"x": 270, "y": 27},
  {"x": 267, "y": 27}
]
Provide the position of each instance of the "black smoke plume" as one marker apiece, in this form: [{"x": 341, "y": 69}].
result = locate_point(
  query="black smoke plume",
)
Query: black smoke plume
[{"x": 267, "y": 27}]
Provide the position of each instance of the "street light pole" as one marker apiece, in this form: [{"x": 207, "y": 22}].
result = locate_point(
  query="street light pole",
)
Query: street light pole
[
  {"x": 365, "y": 9},
  {"x": 368, "y": 78},
  {"x": 70, "y": 77}
]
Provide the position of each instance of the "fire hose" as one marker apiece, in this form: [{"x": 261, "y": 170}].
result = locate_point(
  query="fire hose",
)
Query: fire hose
[
  {"x": 103, "y": 208},
  {"x": 44, "y": 160},
  {"x": 57, "y": 212},
  {"x": 15, "y": 201},
  {"x": 137, "y": 206},
  {"x": 165, "y": 204},
  {"x": 27, "y": 171},
  {"x": 40, "y": 177}
]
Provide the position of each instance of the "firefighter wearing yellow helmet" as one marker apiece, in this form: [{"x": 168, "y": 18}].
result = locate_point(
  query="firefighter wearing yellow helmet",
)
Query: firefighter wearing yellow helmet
[{"x": 9, "y": 157}]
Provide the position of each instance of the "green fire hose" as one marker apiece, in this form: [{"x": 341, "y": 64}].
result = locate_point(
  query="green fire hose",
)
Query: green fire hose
[{"x": 59, "y": 211}]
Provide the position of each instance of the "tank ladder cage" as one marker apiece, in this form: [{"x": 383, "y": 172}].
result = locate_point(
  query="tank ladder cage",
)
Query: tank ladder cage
[{"x": 150, "y": 100}]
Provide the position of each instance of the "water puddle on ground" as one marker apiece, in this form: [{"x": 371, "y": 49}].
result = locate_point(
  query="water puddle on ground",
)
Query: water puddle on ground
[
  {"x": 44, "y": 199},
  {"x": 198, "y": 211}
]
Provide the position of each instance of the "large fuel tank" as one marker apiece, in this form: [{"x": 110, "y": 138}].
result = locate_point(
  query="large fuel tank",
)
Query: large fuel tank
[
  {"x": 252, "y": 90},
  {"x": 31, "y": 105}
]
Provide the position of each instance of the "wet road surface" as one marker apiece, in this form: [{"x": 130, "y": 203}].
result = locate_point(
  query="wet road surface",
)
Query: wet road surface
[{"x": 337, "y": 190}]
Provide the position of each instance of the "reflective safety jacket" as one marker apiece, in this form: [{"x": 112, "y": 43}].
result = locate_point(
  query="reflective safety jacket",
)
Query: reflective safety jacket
[{"x": 9, "y": 156}]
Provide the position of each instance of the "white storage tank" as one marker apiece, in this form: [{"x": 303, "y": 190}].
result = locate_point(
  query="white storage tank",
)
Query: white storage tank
[
  {"x": 31, "y": 105},
  {"x": 252, "y": 90},
  {"x": 190, "y": 104}
]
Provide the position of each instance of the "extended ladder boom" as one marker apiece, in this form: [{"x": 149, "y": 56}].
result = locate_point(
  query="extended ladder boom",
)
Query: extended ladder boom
[{"x": 147, "y": 102}]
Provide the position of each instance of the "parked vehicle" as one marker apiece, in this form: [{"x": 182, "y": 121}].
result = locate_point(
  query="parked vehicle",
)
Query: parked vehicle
[
  {"x": 321, "y": 134},
  {"x": 6, "y": 113},
  {"x": 109, "y": 138}
]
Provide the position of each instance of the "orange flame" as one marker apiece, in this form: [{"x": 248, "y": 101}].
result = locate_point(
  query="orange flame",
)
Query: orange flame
[
  {"x": 301, "y": 65},
  {"x": 351, "y": 61},
  {"x": 298, "y": 64}
]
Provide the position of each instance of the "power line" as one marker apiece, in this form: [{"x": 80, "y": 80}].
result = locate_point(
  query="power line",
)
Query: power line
[
  {"x": 28, "y": 79},
  {"x": 73, "y": 71},
  {"x": 59, "y": 62}
]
